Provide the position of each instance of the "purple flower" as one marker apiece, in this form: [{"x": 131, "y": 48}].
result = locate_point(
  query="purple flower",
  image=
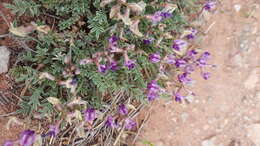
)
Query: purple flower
[
  {"x": 110, "y": 122},
  {"x": 155, "y": 57},
  {"x": 148, "y": 41},
  {"x": 171, "y": 59},
  {"x": 113, "y": 39},
  {"x": 191, "y": 54},
  {"x": 206, "y": 75},
  {"x": 192, "y": 34},
  {"x": 113, "y": 46},
  {"x": 180, "y": 63},
  {"x": 153, "y": 86},
  {"x": 129, "y": 124},
  {"x": 130, "y": 64},
  {"x": 156, "y": 17},
  {"x": 102, "y": 68},
  {"x": 123, "y": 109},
  {"x": 53, "y": 130},
  {"x": 179, "y": 44},
  {"x": 202, "y": 61},
  {"x": 153, "y": 90},
  {"x": 178, "y": 97},
  {"x": 113, "y": 66},
  {"x": 183, "y": 78},
  {"x": 90, "y": 115},
  {"x": 209, "y": 5},
  {"x": 27, "y": 138},
  {"x": 189, "y": 68},
  {"x": 74, "y": 81},
  {"x": 166, "y": 15},
  {"x": 152, "y": 95},
  {"x": 8, "y": 143}
]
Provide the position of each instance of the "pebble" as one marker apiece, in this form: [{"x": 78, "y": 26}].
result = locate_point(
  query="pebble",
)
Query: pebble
[
  {"x": 4, "y": 59},
  {"x": 184, "y": 117},
  {"x": 190, "y": 98},
  {"x": 237, "y": 7},
  {"x": 208, "y": 142}
]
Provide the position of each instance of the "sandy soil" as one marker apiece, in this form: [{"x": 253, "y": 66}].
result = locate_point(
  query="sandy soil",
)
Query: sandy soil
[{"x": 226, "y": 108}]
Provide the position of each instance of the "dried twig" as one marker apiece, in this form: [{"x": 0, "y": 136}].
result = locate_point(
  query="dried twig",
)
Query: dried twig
[
  {"x": 209, "y": 28},
  {"x": 4, "y": 35},
  {"x": 145, "y": 121},
  {"x": 8, "y": 114},
  {"x": 2, "y": 14}
]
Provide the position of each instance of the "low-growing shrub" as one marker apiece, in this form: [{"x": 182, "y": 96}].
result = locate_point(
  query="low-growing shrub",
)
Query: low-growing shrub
[{"x": 93, "y": 69}]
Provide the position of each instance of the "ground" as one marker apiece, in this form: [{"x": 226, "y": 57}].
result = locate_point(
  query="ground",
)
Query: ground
[
  {"x": 225, "y": 110},
  {"x": 5, "y": 85}
]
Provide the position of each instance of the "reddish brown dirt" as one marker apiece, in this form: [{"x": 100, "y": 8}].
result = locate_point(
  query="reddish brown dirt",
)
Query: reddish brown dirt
[
  {"x": 5, "y": 85},
  {"x": 227, "y": 106},
  {"x": 14, "y": 130},
  {"x": 4, "y": 27}
]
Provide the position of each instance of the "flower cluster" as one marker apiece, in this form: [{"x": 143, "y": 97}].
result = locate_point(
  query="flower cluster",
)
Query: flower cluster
[
  {"x": 29, "y": 137},
  {"x": 159, "y": 16},
  {"x": 129, "y": 59}
]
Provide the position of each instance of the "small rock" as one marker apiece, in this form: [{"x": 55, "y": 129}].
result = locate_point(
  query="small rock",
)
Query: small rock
[
  {"x": 4, "y": 59},
  {"x": 190, "y": 98},
  {"x": 237, "y": 7},
  {"x": 238, "y": 60},
  {"x": 252, "y": 80},
  {"x": 253, "y": 132},
  {"x": 184, "y": 117},
  {"x": 208, "y": 142}
]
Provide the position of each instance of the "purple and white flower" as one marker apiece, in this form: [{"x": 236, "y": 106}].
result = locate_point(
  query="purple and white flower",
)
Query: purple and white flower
[
  {"x": 209, "y": 5},
  {"x": 27, "y": 138},
  {"x": 178, "y": 97},
  {"x": 130, "y": 124},
  {"x": 184, "y": 78},
  {"x": 153, "y": 90},
  {"x": 130, "y": 64},
  {"x": 159, "y": 16},
  {"x": 113, "y": 66},
  {"x": 180, "y": 63},
  {"x": 192, "y": 33},
  {"x": 155, "y": 57},
  {"x": 171, "y": 59},
  {"x": 110, "y": 122},
  {"x": 191, "y": 54},
  {"x": 179, "y": 45},
  {"x": 90, "y": 115},
  {"x": 8, "y": 143},
  {"x": 148, "y": 41},
  {"x": 206, "y": 75},
  {"x": 123, "y": 110},
  {"x": 189, "y": 68},
  {"x": 152, "y": 95},
  {"x": 166, "y": 15},
  {"x": 102, "y": 68},
  {"x": 53, "y": 130},
  {"x": 202, "y": 61},
  {"x": 156, "y": 17},
  {"x": 153, "y": 86},
  {"x": 113, "y": 46}
]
